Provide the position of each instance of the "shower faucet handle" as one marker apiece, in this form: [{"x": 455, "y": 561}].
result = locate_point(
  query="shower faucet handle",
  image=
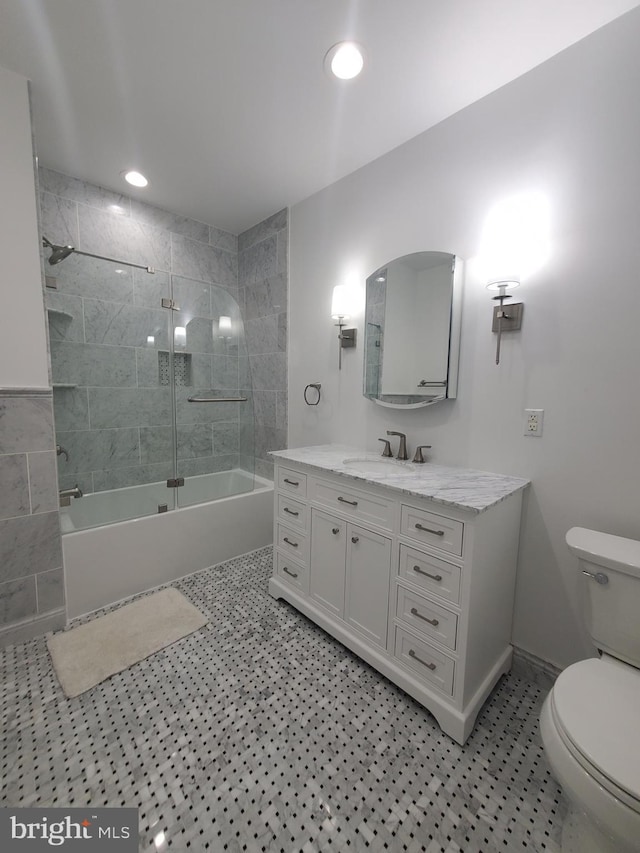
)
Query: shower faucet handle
[{"x": 60, "y": 451}]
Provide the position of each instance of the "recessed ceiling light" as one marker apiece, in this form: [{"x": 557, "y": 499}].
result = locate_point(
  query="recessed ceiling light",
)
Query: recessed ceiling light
[
  {"x": 136, "y": 179},
  {"x": 345, "y": 60}
]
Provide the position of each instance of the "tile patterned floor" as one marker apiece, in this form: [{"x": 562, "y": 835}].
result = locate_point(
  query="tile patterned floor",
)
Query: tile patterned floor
[{"x": 261, "y": 733}]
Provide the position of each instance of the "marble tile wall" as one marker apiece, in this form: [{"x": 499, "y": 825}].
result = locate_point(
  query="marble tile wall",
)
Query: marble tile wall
[
  {"x": 31, "y": 574},
  {"x": 263, "y": 283},
  {"x": 113, "y": 413}
]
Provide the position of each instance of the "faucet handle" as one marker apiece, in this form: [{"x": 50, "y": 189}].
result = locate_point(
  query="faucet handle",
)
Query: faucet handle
[
  {"x": 387, "y": 447},
  {"x": 418, "y": 457}
]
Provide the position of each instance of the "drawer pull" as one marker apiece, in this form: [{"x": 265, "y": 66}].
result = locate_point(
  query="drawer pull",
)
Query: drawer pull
[
  {"x": 345, "y": 501},
  {"x": 290, "y": 511},
  {"x": 289, "y": 572},
  {"x": 355, "y": 539},
  {"x": 415, "y": 612},
  {"x": 429, "y": 530},
  {"x": 413, "y": 655},
  {"x": 335, "y": 530},
  {"x": 291, "y": 482},
  {"x": 422, "y": 572},
  {"x": 289, "y": 542}
]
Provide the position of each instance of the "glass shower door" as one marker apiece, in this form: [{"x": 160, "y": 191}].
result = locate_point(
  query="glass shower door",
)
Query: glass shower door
[
  {"x": 111, "y": 375},
  {"x": 214, "y": 405}
]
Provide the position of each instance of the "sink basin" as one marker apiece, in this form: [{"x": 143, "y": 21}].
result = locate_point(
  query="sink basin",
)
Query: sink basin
[{"x": 377, "y": 466}]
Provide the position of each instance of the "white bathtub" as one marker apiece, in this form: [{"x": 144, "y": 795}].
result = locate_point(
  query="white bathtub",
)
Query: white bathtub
[{"x": 119, "y": 558}]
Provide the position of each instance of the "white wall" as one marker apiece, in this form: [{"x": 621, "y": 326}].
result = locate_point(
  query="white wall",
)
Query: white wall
[
  {"x": 23, "y": 342},
  {"x": 570, "y": 129}
]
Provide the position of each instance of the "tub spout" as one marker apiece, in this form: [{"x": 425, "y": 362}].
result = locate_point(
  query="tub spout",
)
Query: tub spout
[{"x": 65, "y": 495}]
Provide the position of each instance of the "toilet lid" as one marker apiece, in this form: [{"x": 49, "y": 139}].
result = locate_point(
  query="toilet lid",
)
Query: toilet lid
[{"x": 597, "y": 703}]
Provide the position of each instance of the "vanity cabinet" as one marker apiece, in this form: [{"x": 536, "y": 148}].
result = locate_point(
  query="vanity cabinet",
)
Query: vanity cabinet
[
  {"x": 420, "y": 590},
  {"x": 349, "y": 573}
]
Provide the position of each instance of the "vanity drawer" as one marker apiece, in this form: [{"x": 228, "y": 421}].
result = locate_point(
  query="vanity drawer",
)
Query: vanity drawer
[
  {"x": 435, "y": 622},
  {"x": 432, "y": 529},
  {"x": 427, "y": 662},
  {"x": 360, "y": 506},
  {"x": 430, "y": 574},
  {"x": 292, "y": 572},
  {"x": 293, "y": 542},
  {"x": 292, "y": 481},
  {"x": 292, "y": 511}
]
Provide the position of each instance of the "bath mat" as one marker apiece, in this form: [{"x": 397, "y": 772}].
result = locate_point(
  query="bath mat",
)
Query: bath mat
[{"x": 84, "y": 656}]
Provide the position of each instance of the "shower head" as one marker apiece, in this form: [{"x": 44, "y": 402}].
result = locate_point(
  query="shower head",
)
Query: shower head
[{"x": 58, "y": 253}]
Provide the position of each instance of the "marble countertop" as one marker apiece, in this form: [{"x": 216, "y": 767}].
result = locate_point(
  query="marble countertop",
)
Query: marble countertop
[{"x": 463, "y": 488}]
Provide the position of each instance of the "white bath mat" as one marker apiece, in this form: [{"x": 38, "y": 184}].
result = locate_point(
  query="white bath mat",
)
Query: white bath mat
[{"x": 84, "y": 656}]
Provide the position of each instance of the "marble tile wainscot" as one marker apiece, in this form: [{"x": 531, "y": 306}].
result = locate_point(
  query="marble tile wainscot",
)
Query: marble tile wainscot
[
  {"x": 31, "y": 573},
  {"x": 410, "y": 566}
]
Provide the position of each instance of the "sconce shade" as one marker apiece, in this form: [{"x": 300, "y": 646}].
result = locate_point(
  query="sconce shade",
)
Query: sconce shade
[
  {"x": 508, "y": 283},
  {"x": 515, "y": 239},
  {"x": 342, "y": 303},
  {"x": 224, "y": 323}
]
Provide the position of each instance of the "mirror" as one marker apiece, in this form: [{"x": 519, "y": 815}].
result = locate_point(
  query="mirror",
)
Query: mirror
[{"x": 412, "y": 330}]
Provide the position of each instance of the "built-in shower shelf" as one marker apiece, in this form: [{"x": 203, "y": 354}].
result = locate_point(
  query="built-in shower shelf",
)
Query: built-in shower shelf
[
  {"x": 181, "y": 368},
  {"x": 59, "y": 313},
  {"x": 63, "y": 385}
]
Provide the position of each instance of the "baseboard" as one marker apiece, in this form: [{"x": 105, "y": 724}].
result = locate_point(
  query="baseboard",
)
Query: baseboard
[
  {"x": 19, "y": 632},
  {"x": 541, "y": 672}
]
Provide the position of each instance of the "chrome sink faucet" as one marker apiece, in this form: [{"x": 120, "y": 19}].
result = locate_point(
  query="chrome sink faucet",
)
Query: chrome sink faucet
[{"x": 402, "y": 450}]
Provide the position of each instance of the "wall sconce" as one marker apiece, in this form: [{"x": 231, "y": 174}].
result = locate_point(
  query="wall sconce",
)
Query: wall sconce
[
  {"x": 224, "y": 324},
  {"x": 505, "y": 321},
  {"x": 341, "y": 307},
  {"x": 515, "y": 242}
]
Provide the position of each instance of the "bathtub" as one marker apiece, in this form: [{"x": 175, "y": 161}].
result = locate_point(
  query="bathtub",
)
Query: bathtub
[{"x": 124, "y": 555}]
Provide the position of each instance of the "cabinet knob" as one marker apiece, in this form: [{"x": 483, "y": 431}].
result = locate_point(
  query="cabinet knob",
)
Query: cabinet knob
[
  {"x": 355, "y": 539},
  {"x": 335, "y": 531}
]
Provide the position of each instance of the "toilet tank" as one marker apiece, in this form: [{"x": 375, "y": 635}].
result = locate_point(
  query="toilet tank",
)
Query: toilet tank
[{"x": 611, "y": 610}]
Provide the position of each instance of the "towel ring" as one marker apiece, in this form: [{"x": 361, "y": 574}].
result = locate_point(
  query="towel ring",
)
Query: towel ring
[{"x": 317, "y": 387}]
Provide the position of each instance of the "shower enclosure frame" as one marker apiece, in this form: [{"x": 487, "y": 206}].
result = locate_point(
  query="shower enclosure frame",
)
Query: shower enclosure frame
[{"x": 178, "y": 338}]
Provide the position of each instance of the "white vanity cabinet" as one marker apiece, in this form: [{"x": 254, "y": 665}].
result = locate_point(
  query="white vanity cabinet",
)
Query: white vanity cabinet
[
  {"x": 422, "y": 590},
  {"x": 349, "y": 573}
]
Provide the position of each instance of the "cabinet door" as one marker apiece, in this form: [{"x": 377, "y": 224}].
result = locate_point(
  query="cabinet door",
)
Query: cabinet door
[
  {"x": 327, "y": 565},
  {"x": 367, "y": 583}
]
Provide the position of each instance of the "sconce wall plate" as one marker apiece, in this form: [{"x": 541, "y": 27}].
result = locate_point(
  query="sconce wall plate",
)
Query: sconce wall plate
[
  {"x": 512, "y": 322},
  {"x": 347, "y": 338}
]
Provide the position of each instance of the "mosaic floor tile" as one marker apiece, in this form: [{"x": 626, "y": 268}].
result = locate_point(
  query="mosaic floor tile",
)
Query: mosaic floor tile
[{"x": 261, "y": 733}]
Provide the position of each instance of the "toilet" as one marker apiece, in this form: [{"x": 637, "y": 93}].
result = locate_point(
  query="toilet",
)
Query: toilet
[{"x": 590, "y": 721}]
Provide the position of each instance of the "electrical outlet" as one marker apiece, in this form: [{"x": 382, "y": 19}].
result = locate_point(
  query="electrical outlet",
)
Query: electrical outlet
[{"x": 533, "y": 419}]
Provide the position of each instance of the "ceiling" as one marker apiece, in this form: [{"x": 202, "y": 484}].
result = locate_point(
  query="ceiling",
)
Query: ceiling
[{"x": 225, "y": 105}]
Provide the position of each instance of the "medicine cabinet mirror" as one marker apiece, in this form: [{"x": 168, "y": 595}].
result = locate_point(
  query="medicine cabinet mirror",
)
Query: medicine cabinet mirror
[{"x": 412, "y": 330}]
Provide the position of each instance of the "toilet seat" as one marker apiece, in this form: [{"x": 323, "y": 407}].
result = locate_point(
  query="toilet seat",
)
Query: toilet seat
[{"x": 595, "y": 705}]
